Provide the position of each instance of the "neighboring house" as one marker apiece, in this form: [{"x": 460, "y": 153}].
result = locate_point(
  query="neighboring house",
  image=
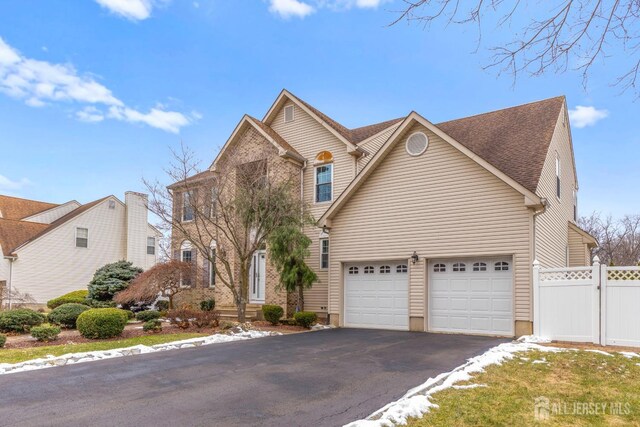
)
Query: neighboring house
[
  {"x": 422, "y": 226},
  {"x": 49, "y": 249}
]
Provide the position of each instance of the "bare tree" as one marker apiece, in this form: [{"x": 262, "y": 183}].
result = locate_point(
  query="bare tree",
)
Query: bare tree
[
  {"x": 618, "y": 240},
  {"x": 557, "y": 35},
  {"x": 237, "y": 205},
  {"x": 166, "y": 279}
]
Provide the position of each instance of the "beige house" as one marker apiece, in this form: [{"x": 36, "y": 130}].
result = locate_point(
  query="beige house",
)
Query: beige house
[
  {"x": 50, "y": 249},
  {"x": 422, "y": 226}
]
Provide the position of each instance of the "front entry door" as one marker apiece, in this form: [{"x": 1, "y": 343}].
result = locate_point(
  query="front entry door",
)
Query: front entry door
[{"x": 257, "y": 277}]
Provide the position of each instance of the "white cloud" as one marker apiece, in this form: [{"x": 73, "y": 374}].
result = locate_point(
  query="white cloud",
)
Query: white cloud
[
  {"x": 372, "y": 4},
  {"x": 90, "y": 115},
  {"x": 169, "y": 121},
  {"x": 40, "y": 83},
  {"x": 7, "y": 185},
  {"x": 289, "y": 8},
  {"x": 582, "y": 116},
  {"x": 136, "y": 10}
]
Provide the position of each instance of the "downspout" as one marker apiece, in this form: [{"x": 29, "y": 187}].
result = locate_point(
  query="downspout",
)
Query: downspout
[
  {"x": 11, "y": 260},
  {"x": 535, "y": 214}
]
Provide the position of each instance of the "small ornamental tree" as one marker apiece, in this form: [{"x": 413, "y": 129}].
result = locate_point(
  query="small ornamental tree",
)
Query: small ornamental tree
[
  {"x": 288, "y": 248},
  {"x": 111, "y": 279},
  {"x": 164, "y": 279}
]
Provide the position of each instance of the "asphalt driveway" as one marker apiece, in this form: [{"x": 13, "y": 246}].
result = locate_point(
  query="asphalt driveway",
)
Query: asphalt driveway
[{"x": 325, "y": 378}]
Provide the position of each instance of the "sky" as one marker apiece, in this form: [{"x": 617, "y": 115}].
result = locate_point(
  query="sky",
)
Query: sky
[{"x": 94, "y": 94}]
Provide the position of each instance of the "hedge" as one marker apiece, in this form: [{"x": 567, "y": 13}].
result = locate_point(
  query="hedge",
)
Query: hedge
[
  {"x": 102, "y": 322},
  {"x": 76, "y": 297},
  {"x": 45, "y": 332},
  {"x": 145, "y": 316}
]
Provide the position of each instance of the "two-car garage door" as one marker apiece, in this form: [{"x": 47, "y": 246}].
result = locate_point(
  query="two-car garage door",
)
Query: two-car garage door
[{"x": 464, "y": 296}]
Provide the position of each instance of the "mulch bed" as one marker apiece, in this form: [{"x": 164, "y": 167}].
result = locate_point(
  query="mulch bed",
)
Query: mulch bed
[{"x": 72, "y": 336}]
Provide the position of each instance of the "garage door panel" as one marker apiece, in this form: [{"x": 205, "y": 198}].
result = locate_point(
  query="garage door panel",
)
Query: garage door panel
[
  {"x": 471, "y": 301},
  {"x": 376, "y": 300}
]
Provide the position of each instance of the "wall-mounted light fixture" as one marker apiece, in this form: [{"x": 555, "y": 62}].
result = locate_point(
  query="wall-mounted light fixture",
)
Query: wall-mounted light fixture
[
  {"x": 325, "y": 229},
  {"x": 414, "y": 257}
]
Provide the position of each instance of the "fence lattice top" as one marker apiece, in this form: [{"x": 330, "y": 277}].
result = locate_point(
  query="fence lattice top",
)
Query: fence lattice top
[
  {"x": 623, "y": 273},
  {"x": 565, "y": 274}
]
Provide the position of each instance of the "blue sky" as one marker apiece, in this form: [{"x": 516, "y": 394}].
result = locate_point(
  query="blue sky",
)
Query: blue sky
[{"x": 115, "y": 83}]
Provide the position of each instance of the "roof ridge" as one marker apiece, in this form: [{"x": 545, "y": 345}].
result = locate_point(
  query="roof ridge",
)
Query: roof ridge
[{"x": 503, "y": 109}]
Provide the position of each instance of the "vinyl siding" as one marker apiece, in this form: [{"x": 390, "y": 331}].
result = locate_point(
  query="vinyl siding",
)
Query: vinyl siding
[
  {"x": 52, "y": 265},
  {"x": 309, "y": 138},
  {"x": 441, "y": 205},
  {"x": 551, "y": 225},
  {"x": 579, "y": 254},
  {"x": 373, "y": 145}
]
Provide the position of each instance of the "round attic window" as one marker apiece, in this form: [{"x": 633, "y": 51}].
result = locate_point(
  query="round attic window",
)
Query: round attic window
[{"x": 417, "y": 143}]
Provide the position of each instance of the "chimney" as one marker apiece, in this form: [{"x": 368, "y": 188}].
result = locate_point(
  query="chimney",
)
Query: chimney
[{"x": 137, "y": 228}]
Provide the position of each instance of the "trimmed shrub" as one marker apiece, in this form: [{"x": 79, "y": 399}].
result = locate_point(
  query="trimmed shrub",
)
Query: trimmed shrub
[
  {"x": 208, "y": 305},
  {"x": 45, "y": 332},
  {"x": 130, "y": 314},
  {"x": 66, "y": 315},
  {"x": 3, "y": 340},
  {"x": 100, "y": 304},
  {"x": 75, "y": 297},
  {"x": 305, "y": 318},
  {"x": 20, "y": 320},
  {"x": 153, "y": 325},
  {"x": 145, "y": 316},
  {"x": 102, "y": 322},
  {"x": 162, "y": 305},
  {"x": 272, "y": 313}
]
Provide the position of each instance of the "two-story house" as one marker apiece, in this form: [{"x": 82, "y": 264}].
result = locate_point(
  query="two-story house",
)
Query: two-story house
[
  {"x": 422, "y": 226},
  {"x": 50, "y": 249}
]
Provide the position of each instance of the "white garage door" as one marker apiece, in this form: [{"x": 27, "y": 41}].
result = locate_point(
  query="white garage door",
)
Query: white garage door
[
  {"x": 377, "y": 295},
  {"x": 471, "y": 296}
]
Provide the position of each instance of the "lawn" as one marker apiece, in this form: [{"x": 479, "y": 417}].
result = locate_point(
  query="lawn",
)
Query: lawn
[
  {"x": 22, "y": 354},
  {"x": 583, "y": 388}
]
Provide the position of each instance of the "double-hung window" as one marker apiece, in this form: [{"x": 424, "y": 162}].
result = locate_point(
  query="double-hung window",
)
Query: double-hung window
[
  {"x": 187, "y": 206},
  {"x": 151, "y": 245},
  {"x": 324, "y": 253},
  {"x": 324, "y": 183},
  {"x": 82, "y": 237}
]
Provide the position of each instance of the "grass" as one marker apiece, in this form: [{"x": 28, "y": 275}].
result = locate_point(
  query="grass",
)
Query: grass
[
  {"x": 565, "y": 378},
  {"x": 22, "y": 354}
]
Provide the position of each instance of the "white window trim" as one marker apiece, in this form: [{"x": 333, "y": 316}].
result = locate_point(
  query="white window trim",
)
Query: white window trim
[
  {"x": 155, "y": 241},
  {"x": 315, "y": 183},
  {"x": 321, "y": 253},
  {"x": 293, "y": 113},
  {"x": 76, "y": 238},
  {"x": 406, "y": 144}
]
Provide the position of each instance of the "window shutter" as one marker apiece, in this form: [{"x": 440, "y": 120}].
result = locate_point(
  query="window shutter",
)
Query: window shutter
[
  {"x": 194, "y": 261},
  {"x": 205, "y": 272}
]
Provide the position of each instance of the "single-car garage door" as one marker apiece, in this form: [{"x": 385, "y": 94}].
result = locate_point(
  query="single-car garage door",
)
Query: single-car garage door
[
  {"x": 471, "y": 296},
  {"x": 377, "y": 295}
]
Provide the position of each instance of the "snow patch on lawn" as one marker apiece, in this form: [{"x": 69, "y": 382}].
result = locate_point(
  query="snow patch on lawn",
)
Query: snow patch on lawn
[
  {"x": 629, "y": 354},
  {"x": 417, "y": 401},
  {"x": 604, "y": 353},
  {"x": 72, "y": 358}
]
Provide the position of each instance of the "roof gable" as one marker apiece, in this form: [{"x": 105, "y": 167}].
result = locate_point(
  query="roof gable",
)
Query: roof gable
[
  {"x": 17, "y": 234},
  {"x": 530, "y": 197}
]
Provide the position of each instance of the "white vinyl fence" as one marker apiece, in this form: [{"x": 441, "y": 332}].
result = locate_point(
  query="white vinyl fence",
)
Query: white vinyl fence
[{"x": 597, "y": 304}]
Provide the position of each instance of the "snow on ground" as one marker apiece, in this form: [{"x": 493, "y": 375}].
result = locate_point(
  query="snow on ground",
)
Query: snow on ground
[
  {"x": 417, "y": 401},
  {"x": 71, "y": 358}
]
